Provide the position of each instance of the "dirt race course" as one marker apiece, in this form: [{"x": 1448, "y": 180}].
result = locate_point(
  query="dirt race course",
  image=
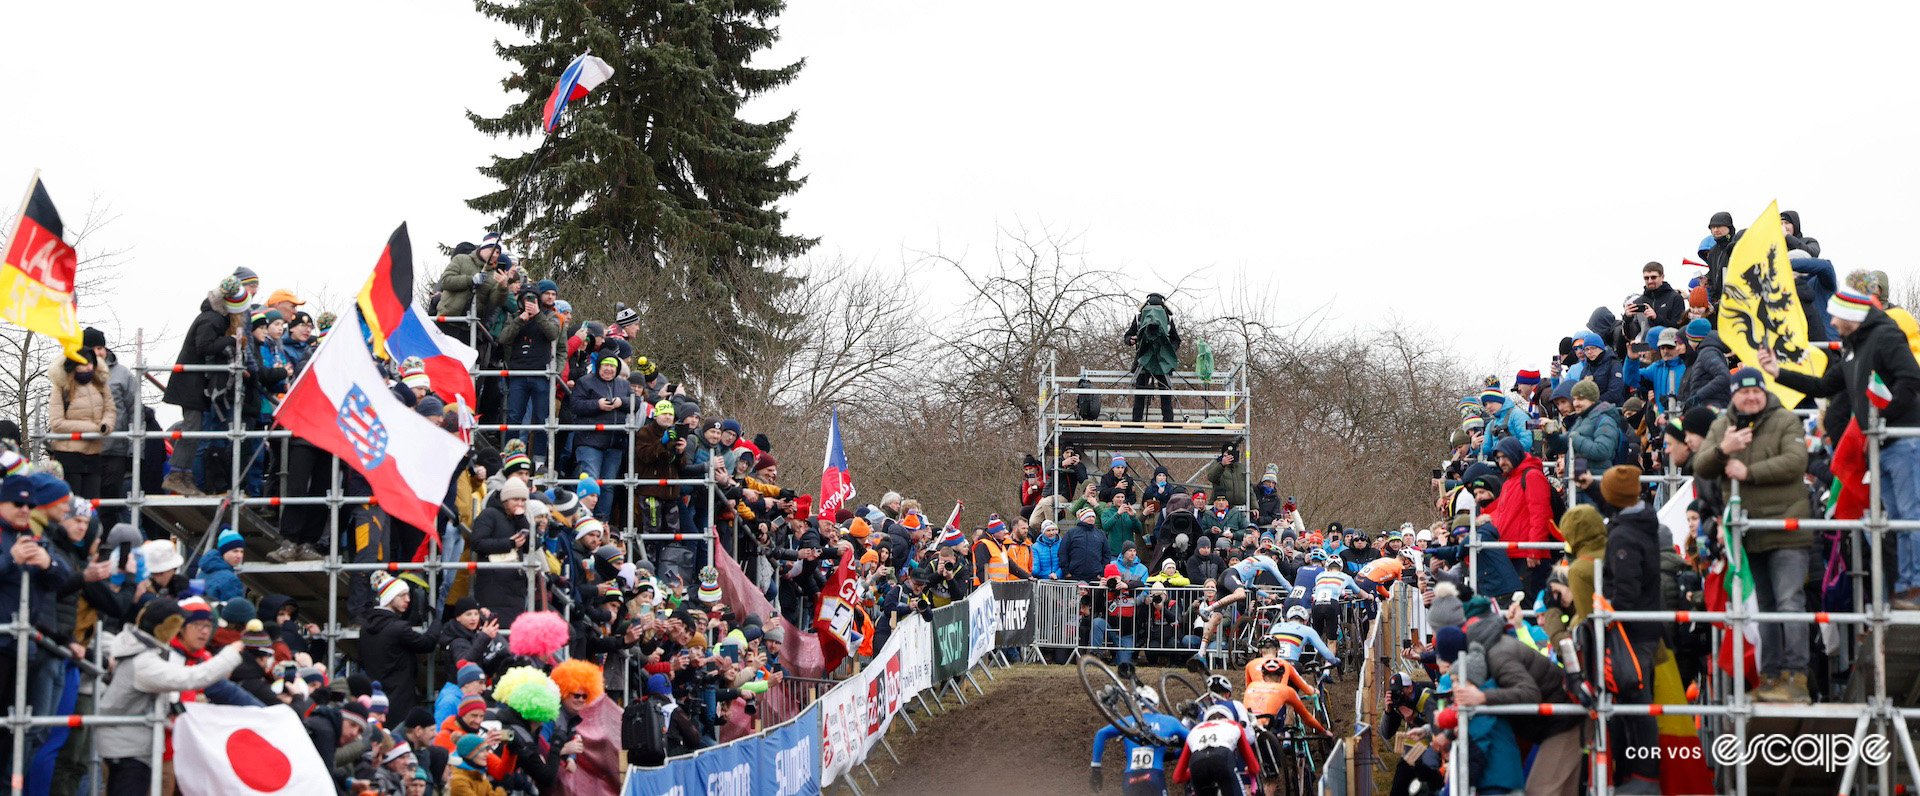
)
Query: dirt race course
[{"x": 1031, "y": 734}]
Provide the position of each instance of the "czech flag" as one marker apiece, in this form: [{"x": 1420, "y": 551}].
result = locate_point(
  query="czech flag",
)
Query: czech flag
[
  {"x": 580, "y": 77},
  {"x": 449, "y": 362},
  {"x": 389, "y": 291},
  {"x": 342, "y": 405},
  {"x": 36, "y": 281},
  {"x": 836, "y": 483}
]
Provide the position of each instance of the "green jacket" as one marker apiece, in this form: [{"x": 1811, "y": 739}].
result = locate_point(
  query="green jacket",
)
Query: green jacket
[
  {"x": 1596, "y": 436},
  {"x": 1120, "y": 527},
  {"x": 458, "y": 286},
  {"x": 1586, "y": 535},
  {"x": 1776, "y": 461},
  {"x": 1227, "y": 479}
]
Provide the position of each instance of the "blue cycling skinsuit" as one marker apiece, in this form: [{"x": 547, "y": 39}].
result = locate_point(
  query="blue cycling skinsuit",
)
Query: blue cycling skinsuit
[{"x": 1146, "y": 773}]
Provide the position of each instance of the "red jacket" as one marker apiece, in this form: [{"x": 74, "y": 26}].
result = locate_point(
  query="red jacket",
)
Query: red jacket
[{"x": 1524, "y": 512}]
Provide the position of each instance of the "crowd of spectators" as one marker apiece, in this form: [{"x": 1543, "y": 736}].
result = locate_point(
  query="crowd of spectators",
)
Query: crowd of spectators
[{"x": 1562, "y": 459}]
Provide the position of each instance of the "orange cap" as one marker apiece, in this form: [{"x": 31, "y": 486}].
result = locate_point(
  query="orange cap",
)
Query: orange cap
[{"x": 284, "y": 295}]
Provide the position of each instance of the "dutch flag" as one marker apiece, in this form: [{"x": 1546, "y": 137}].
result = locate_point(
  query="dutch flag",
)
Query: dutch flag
[{"x": 580, "y": 77}]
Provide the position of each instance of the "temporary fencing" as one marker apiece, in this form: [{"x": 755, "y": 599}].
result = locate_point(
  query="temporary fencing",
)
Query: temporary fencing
[
  {"x": 1154, "y": 619},
  {"x": 843, "y": 722}
]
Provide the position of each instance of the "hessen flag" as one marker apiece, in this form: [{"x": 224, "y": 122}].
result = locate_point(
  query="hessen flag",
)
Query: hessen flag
[
  {"x": 342, "y": 405},
  {"x": 580, "y": 77},
  {"x": 36, "y": 282},
  {"x": 837, "y": 622},
  {"x": 223, "y": 750},
  {"x": 388, "y": 293},
  {"x": 448, "y": 361},
  {"x": 836, "y": 483}
]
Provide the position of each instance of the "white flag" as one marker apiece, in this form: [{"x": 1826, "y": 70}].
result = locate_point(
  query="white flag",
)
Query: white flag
[{"x": 222, "y": 750}]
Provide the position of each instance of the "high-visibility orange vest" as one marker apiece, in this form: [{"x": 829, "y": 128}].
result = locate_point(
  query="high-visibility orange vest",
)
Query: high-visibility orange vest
[
  {"x": 996, "y": 561},
  {"x": 866, "y": 633},
  {"x": 1021, "y": 554}
]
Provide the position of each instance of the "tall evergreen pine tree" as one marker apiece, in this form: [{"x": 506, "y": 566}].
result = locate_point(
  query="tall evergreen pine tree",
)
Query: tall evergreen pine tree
[{"x": 656, "y": 162}]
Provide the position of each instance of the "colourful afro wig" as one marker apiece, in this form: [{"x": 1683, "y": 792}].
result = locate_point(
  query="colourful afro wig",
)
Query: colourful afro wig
[
  {"x": 530, "y": 693},
  {"x": 537, "y": 634},
  {"x": 580, "y": 677}
]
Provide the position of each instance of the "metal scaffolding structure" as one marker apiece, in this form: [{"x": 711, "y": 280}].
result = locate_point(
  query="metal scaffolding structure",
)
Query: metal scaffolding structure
[
  {"x": 195, "y": 529},
  {"x": 1726, "y": 707}
]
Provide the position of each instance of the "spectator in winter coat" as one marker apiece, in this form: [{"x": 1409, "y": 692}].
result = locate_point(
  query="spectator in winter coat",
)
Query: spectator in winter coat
[
  {"x": 79, "y": 401},
  {"x": 1659, "y": 303},
  {"x": 1222, "y": 519},
  {"x": 1205, "y": 564},
  {"x": 116, "y": 454},
  {"x": 1227, "y": 475},
  {"x": 1524, "y": 513},
  {"x": 143, "y": 672},
  {"x": 1068, "y": 477},
  {"x": 602, "y": 397},
  {"x": 1267, "y": 503},
  {"x": 217, "y": 567},
  {"x": 1121, "y": 521},
  {"x": 1759, "y": 443},
  {"x": 1033, "y": 485},
  {"x": 1879, "y": 369},
  {"x": 1085, "y": 552},
  {"x": 1046, "y": 552},
  {"x": 1497, "y": 578},
  {"x": 1814, "y": 281},
  {"x": 390, "y": 648},
  {"x": 1115, "y": 479},
  {"x": 500, "y": 535},
  {"x": 1667, "y": 373},
  {"x": 1599, "y": 363},
  {"x": 1594, "y": 428},
  {"x": 1632, "y": 583},
  {"x": 1505, "y": 421},
  {"x": 656, "y": 446},
  {"x": 1707, "y": 381},
  {"x": 210, "y": 340},
  {"x": 530, "y": 336}
]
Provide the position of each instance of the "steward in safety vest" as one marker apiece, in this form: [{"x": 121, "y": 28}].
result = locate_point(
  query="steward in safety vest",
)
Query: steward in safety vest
[{"x": 990, "y": 559}]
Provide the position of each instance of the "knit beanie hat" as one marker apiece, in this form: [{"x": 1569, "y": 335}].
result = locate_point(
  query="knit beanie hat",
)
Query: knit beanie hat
[
  {"x": 1698, "y": 329},
  {"x": 1698, "y": 420},
  {"x": 468, "y": 745},
  {"x": 514, "y": 488},
  {"x": 587, "y": 526},
  {"x": 256, "y": 638},
  {"x": 1087, "y": 515},
  {"x": 470, "y": 704},
  {"x": 1749, "y": 377},
  {"x": 377, "y": 702},
  {"x": 469, "y": 672},
  {"x": 391, "y": 590},
  {"x": 196, "y": 609},
  {"x": 1118, "y": 461},
  {"x": 1849, "y": 304},
  {"x": 1493, "y": 395},
  {"x": 1448, "y": 642},
  {"x": 1526, "y": 377},
  {"x": 233, "y": 295},
  {"x": 413, "y": 373},
  {"x": 1620, "y": 486},
  {"x": 1586, "y": 390},
  {"x": 1446, "y": 610},
  {"x": 709, "y": 585},
  {"x": 663, "y": 407},
  {"x": 586, "y": 486},
  {"x": 237, "y": 612},
  {"x": 1273, "y": 474},
  {"x": 230, "y": 540},
  {"x": 995, "y": 525},
  {"x": 246, "y": 277}
]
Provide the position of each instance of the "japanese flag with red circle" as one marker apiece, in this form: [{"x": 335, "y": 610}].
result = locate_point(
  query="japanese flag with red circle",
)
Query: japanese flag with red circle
[{"x": 223, "y": 750}]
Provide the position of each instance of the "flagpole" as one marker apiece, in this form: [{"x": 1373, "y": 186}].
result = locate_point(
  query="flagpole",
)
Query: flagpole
[{"x": 21, "y": 209}]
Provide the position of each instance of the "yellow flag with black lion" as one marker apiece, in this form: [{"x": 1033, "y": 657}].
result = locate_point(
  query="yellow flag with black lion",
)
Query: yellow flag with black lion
[{"x": 1760, "y": 309}]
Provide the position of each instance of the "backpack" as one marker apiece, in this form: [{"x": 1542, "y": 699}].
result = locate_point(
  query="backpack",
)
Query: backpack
[
  {"x": 1088, "y": 406},
  {"x": 1627, "y": 451},
  {"x": 643, "y": 733}
]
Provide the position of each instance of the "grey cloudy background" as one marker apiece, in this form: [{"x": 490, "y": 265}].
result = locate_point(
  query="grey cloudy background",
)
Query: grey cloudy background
[{"x": 1490, "y": 174}]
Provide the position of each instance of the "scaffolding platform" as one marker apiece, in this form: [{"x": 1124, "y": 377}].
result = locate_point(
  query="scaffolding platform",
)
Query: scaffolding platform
[
  {"x": 1210, "y": 413},
  {"x": 189, "y": 524}
]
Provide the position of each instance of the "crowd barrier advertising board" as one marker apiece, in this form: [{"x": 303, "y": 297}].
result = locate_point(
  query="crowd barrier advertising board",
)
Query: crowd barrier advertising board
[
  {"x": 983, "y": 619},
  {"x": 1016, "y": 613},
  {"x": 950, "y": 641},
  {"x": 857, "y": 713},
  {"x": 783, "y": 761}
]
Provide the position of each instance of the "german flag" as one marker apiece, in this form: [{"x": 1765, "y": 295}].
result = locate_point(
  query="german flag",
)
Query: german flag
[
  {"x": 389, "y": 291},
  {"x": 36, "y": 280}
]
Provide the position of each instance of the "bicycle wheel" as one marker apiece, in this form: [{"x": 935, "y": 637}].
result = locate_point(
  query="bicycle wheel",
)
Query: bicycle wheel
[
  {"x": 1180, "y": 695},
  {"x": 1113, "y": 699}
]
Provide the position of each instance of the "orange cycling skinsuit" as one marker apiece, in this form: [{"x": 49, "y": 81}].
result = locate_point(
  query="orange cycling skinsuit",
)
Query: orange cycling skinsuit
[
  {"x": 1378, "y": 574},
  {"x": 1268, "y": 699}
]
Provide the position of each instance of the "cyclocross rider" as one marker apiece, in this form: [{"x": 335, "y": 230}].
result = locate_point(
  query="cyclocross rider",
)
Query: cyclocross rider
[
  {"x": 1269, "y": 647},
  {"x": 1328, "y": 587},
  {"x": 1218, "y": 757},
  {"x": 1220, "y": 689},
  {"x": 1146, "y": 764},
  {"x": 1269, "y": 698},
  {"x": 1235, "y": 583},
  {"x": 1294, "y": 635}
]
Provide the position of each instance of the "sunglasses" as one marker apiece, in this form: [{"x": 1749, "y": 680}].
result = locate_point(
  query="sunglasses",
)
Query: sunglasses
[{"x": 1651, "y": 277}]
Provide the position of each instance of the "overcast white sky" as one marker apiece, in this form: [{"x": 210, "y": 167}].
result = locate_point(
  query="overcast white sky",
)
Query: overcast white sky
[{"x": 1491, "y": 172}]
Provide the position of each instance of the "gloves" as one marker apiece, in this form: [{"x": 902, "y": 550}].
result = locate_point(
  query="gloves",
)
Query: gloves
[
  {"x": 1582, "y": 691},
  {"x": 1094, "y": 781}
]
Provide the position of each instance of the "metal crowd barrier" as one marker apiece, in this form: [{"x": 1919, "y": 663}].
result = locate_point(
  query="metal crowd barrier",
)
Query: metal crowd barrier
[{"x": 1166, "y": 619}]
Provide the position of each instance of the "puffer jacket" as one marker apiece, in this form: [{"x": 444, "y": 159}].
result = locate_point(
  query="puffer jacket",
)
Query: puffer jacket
[
  {"x": 1046, "y": 557},
  {"x": 585, "y": 403},
  {"x": 222, "y": 583},
  {"x": 207, "y": 343},
  {"x": 1524, "y": 512},
  {"x": 126, "y": 401},
  {"x": 1596, "y": 436},
  {"x": 1707, "y": 382},
  {"x": 1776, "y": 461},
  {"x": 459, "y": 285},
  {"x": 143, "y": 670},
  {"x": 1878, "y": 346},
  {"x": 77, "y": 408}
]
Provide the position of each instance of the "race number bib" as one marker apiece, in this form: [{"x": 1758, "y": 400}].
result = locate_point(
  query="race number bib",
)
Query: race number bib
[
  {"x": 1214, "y": 735},
  {"x": 1298, "y": 593},
  {"x": 1290, "y": 649},
  {"x": 1141, "y": 759}
]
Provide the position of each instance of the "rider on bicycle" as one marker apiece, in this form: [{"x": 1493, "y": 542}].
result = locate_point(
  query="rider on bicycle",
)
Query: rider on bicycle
[
  {"x": 1220, "y": 692},
  {"x": 1294, "y": 634},
  {"x": 1269, "y": 648},
  {"x": 1328, "y": 588},
  {"x": 1235, "y": 585},
  {"x": 1218, "y": 756},
  {"x": 1146, "y": 763},
  {"x": 1270, "y": 697}
]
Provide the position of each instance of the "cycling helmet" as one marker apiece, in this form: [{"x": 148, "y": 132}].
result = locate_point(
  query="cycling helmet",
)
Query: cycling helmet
[
  {"x": 1218, "y": 711},
  {"x": 1272, "y": 666},
  {"x": 1266, "y": 641},
  {"x": 1297, "y": 613},
  {"x": 1219, "y": 684},
  {"x": 1148, "y": 698}
]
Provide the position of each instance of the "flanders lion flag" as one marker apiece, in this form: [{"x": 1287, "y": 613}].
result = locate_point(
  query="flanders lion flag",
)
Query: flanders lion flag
[
  {"x": 36, "y": 280},
  {"x": 1759, "y": 308}
]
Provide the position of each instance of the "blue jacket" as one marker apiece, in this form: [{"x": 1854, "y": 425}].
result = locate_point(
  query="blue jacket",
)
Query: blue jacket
[
  {"x": 1144, "y": 758},
  {"x": 446, "y": 702},
  {"x": 1136, "y": 573},
  {"x": 1664, "y": 377},
  {"x": 222, "y": 583},
  {"x": 1497, "y": 575},
  {"x": 1606, "y": 374},
  {"x": 1508, "y": 422},
  {"x": 1595, "y": 436},
  {"x": 1046, "y": 557},
  {"x": 1084, "y": 553},
  {"x": 42, "y": 594},
  {"x": 1815, "y": 281}
]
